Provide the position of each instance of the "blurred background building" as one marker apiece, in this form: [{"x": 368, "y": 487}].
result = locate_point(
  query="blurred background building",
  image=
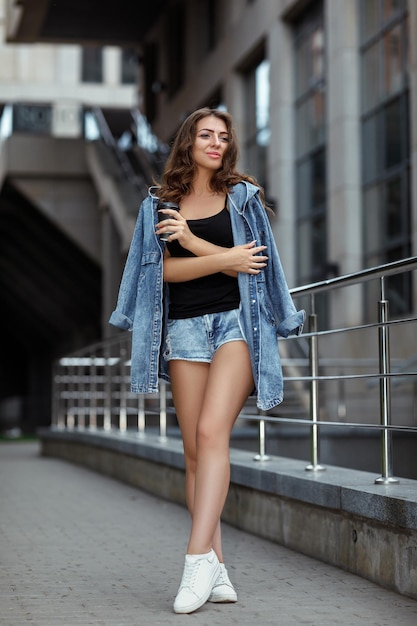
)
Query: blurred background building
[{"x": 324, "y": 98}]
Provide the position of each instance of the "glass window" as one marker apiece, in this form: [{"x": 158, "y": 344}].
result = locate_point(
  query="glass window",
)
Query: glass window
[
  {"x": 311, "y": 249},
  {"x": 310, "y": 122},
  {"x": 371, "y": 147},
  {"x": 393, "y": 203},
  {"x": 370, "y": 17},
  {"x": 372, "y": 214},
  {"x": 394, "y": 144},
  {"x": 406, "y": 41},
  {"x": 317, "y": 53},
  {"x": 304, "y": 251},
  {"x": 257, "y": 121},
  {"x": 129, "y": 69},
  {"x": 92, "y": 64},
  {"x": 385, "y": 139},
  {"x": 302, "y": 52},
  {"x": 311, "y": 187},
  {"x": 310, "y": 117},
  {"x": 32, "y": 118},
  {"x": 318, "y": 167},
  {"x": 319, "y": 255},
  {"x": 262, "y": 100},
  {"x": 392, "y": 61},
  {"x": 371, "y": 91},
  {"x": 303, "y": 188}
]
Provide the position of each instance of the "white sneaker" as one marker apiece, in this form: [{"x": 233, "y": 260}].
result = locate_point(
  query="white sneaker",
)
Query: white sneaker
[
  {"x": 200, "y": 573},
  {"x": 223, "y": 590}
]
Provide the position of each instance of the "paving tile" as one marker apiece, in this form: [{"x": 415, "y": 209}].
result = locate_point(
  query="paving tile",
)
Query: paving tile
[{"x": 78, "y": 548}]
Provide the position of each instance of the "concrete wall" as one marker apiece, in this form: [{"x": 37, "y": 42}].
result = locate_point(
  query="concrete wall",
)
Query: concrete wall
[{"x": 53, "y": 173}]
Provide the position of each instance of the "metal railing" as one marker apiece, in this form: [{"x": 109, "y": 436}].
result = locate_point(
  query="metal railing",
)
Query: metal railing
[
  {"x": 91, "y": 389},
  {"x": 146, "y": 150}
]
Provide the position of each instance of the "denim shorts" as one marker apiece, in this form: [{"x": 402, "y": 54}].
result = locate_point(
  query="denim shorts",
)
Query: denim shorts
[{"x": 198, "y": 338}]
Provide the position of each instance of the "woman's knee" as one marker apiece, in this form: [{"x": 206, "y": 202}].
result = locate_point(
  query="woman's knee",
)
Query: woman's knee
[{"x": 210, "y": 437}]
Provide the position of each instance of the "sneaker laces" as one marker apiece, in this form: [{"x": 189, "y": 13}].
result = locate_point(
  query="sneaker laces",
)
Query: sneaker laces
[
  {"x": 190, "y": 574},
  {"x": 222, "y": 578}
]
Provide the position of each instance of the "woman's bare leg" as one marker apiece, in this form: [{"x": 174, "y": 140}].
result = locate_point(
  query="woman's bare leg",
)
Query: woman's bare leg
[
  {"x": 192, "y": 378},
  {"x": 208, "y": 399},
  {"x": 188, "y": 384},
  {"x": 229, "y": 384}
]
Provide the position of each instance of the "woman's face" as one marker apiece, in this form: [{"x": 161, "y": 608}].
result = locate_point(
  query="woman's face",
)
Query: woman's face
[{"x": 211, "y": 142}]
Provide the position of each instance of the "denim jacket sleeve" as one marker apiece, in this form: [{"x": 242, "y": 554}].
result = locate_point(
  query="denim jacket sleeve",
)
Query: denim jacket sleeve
[
  {"x": 140, "y": 304},
  {"x": 124, "y": 314},
  {"x": 289, "y": 321}
]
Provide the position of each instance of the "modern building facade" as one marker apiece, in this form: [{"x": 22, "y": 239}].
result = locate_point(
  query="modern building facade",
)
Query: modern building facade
[{"x": 324, "y": 98}]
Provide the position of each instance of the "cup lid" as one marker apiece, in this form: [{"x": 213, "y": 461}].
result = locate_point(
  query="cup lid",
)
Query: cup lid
[{"x": 168, "y": 205}]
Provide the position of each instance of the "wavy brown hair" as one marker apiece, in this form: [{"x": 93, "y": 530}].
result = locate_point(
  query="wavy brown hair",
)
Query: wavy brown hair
[{"x": 180, "y": 168}]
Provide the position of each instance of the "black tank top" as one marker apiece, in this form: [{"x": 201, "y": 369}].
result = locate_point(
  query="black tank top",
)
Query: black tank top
[{"x": 208, "y": 294}]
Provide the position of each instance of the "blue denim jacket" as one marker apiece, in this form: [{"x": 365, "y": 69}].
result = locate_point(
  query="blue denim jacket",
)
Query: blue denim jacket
[{"x": 267, "y": 309}]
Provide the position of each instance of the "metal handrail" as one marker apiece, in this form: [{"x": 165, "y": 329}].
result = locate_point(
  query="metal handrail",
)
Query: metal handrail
[
  {"x": 108, "y": 138},
  {"x": 94, "y": 381},
  {"x": 380, "y": 271}
]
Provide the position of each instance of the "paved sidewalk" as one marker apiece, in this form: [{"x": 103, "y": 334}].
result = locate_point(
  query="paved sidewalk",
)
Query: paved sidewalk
[{"x": 80, "y": 548}]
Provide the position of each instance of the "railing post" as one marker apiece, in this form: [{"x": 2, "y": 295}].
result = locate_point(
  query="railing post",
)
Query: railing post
[
  {"x": 107, "y": 418},
  {"x": 384, "y": 391},
  {"x": 341, "y": 398},
  {"x": 93, "y": 392},
  {"x": 141, "y": 415},
  {"x": 69, "y": 412},
  {"x": 81, "y": 412},
  {"x": 314, "y": 394},
  {"x": 262, "y": 456},
  {"x": 123, "y": 390},
  {"x": 163, "y": 411},
  {"x": 58, "y": 421}
]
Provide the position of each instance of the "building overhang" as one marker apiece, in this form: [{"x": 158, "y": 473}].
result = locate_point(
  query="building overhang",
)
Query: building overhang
[{"x": 99, "y": 22}]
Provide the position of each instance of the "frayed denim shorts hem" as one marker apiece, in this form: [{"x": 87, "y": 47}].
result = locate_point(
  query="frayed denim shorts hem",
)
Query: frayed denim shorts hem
[{"x": 199, "y": 338}]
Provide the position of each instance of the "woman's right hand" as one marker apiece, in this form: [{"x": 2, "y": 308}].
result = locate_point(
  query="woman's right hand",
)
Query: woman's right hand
[{"x": 247, "y": 258}]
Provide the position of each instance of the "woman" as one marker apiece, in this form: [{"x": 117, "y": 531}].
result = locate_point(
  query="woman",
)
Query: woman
[{"x": 226, "y": 301}]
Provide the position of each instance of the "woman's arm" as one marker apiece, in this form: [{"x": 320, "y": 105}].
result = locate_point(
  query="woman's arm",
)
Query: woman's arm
[
  {"x": 189, "y": 241},
  {"x": 246, "y": 258},
  {"x": 209, "y": 257},
  {"x": 200, "y": 247}
]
